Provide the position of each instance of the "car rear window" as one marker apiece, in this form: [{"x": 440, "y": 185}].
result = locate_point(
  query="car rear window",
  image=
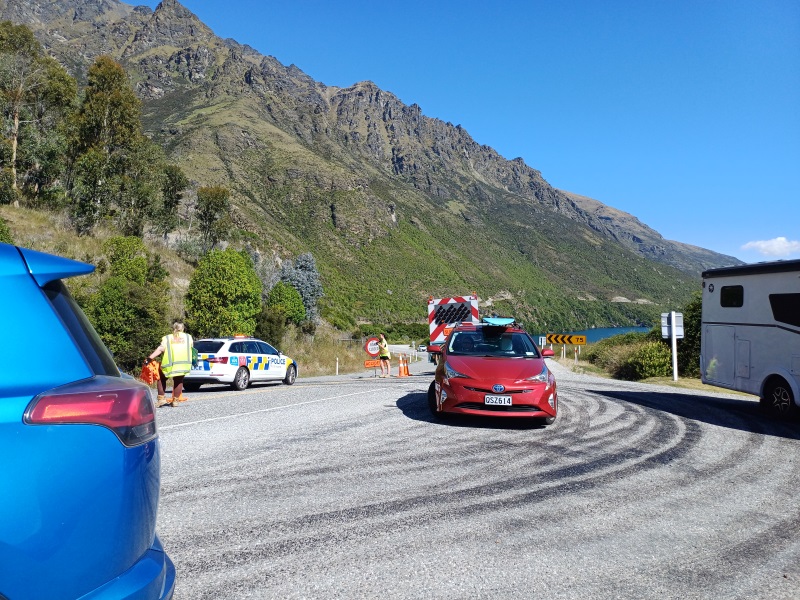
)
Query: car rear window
[
  {"x": 208, "y": 346},
  {"x": 91, "y": 346}
]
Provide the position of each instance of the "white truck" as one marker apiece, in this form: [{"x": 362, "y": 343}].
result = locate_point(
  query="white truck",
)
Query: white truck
[{"x": 750, "y": 336}]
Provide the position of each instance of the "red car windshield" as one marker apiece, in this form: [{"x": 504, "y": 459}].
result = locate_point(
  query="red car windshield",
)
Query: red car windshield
[{"x": 492, "y": 341}]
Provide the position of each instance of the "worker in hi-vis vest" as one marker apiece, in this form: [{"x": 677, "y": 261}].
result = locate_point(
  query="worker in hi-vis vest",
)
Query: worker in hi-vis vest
[{"x": 176, "y": 363}]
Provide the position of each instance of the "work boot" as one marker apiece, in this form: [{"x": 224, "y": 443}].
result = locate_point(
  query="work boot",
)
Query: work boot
[
  {"x": 180, "y": 398},
  {"x": 161, "y": 401}
]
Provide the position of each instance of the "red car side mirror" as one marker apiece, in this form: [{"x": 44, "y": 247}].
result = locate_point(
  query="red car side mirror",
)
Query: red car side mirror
[{"x": 547, "y": 353}]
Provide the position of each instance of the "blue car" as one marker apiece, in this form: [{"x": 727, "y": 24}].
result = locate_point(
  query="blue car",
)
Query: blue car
[{"x": 79, "y": 450}]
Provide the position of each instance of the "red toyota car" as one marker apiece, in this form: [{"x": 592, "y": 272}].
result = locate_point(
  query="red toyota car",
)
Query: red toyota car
[{"x": 493, "y": 368}]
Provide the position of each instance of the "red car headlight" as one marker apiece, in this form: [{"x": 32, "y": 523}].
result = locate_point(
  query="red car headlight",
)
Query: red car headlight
[
  {"x": 543, "y": 377},
  {"x": 451, "y": 373}
]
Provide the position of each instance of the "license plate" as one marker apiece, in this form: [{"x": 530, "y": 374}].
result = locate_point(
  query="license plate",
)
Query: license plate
[{"x": 501, "y": 400}]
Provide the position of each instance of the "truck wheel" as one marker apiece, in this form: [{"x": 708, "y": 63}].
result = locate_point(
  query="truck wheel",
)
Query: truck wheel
[
  {"x": 191, "y": 387},
  {"x": 778, "y": 399},
  {"x": 241, "y": 380}
]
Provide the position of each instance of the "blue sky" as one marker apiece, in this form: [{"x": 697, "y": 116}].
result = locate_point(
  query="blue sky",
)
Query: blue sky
[{"x": 685, "y": 114}]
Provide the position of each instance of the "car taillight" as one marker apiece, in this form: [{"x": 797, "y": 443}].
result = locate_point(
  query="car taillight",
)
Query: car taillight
[
  {"x": 124, "y": 407},
  {"x": 223, "y": 360}
]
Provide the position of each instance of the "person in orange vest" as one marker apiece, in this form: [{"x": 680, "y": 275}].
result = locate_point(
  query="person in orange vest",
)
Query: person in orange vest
[{"x": 176, "y": 363}]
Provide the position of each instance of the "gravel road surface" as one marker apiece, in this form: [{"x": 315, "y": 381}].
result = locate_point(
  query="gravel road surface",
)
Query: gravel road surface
[{"x": 343, "y": 487}]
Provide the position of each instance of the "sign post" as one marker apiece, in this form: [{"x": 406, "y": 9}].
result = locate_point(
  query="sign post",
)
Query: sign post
[
  {"x": 672, "y": 327},
  {"x": 372, "y": 348}
]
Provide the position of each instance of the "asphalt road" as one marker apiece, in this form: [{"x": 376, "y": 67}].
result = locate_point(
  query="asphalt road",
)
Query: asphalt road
[{"x": 344, "y": 488}]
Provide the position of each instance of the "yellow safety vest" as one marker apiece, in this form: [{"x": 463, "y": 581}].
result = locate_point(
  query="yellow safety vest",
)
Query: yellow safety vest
[{"x": 177, "y": 358}]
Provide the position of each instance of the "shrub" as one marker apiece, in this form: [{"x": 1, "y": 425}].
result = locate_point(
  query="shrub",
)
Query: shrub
[
  {"x": 689, "y": 346},
  {"x": 224, "y": 296},
  {"x": 308, "y": 327},
  {"x": 128, "y": 258},
  {"x": 271, "y": 325},
  {"x": 5, "y": 233},
  {"x": 129, "y": 317},
  {"x": 286, "y": 298},
  {"x": 8, "y": 193},
  {"x": 304, "y": 277},
  {"x": 609, "y": 352},
  {"x": 650, "y": 359}
]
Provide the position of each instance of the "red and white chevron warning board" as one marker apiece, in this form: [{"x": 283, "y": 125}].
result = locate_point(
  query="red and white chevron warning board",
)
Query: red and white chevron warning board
[{"x": 446, "y": 313}]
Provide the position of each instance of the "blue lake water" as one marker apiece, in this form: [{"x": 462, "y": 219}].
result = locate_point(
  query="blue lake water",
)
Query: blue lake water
[{"x": 601, "y": 333}]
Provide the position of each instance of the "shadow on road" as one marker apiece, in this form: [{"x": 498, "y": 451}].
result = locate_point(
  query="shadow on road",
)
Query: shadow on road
[
  {"x": 415, "y": 406},
  {"x": 744, "y": 415}
]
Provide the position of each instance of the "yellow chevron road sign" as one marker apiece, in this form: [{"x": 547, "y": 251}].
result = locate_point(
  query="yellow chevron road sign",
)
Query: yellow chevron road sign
[{"x": 562, "y": 338}]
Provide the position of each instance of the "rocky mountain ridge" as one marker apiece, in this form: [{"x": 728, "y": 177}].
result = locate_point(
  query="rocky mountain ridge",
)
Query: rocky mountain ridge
[{"x": 336, "y": 169}]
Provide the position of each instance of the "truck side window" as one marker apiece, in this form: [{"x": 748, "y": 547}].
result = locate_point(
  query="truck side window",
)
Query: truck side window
[
  {"x": 731, "y": 296},
  {"x": 786, "y": 308}
]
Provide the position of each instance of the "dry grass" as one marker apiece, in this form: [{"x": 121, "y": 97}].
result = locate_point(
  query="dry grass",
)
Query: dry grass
[
  {"x": 51, "y": 232},
  {"x": 317, "y": 355}
]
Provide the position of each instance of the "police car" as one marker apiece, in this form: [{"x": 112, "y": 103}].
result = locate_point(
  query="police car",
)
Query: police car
[{"x": 238, "y": 361}]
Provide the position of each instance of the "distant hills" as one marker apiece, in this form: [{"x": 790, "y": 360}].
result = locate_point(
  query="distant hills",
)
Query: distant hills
[{"x": 394, "y": 205}]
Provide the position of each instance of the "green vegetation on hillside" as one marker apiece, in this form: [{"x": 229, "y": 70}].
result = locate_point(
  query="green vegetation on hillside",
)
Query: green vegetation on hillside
[{"x": 364, "y": 212}]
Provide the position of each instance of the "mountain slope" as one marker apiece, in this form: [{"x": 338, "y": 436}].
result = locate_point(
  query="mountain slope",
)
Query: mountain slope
[{"x": 394, "y": 205}]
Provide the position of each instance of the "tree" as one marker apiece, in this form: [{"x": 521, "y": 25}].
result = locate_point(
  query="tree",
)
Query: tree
[
  {"x": 304, "y": 277},
  {"x": 110, "y": 115},
  {"x": 213, "y": 205},
  {"x": 141, "y": 179},
  {"x": 286, "y": 298},
  {"x": 224, "y": 295},
  {"x": 36, "y": 94},
  {"x": 129, "y": 308},
  {"x": 174, "y": 183},
  {"x": 117, "y": 172}
]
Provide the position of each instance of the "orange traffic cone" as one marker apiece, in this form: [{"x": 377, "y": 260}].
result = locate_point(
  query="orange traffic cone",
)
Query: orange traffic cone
[{"x": 402, "y": 369}]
